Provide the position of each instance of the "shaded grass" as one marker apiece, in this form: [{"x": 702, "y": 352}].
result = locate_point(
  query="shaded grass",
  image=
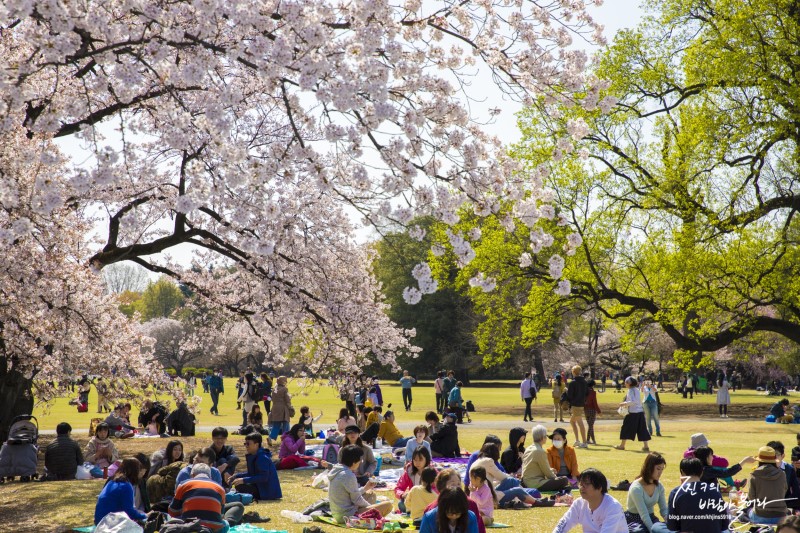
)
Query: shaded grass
[{"x": 55, "y": 506}]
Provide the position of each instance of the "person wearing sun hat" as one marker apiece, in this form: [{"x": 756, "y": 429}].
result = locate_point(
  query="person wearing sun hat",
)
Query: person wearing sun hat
[
  {"x": 698, "y": 439},
  {"x": 767, "y": 488}
]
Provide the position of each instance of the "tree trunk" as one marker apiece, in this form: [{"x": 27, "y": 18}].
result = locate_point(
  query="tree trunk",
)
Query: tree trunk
[
  {"x": 538, "y": 365},
  {"x": 16, "y": 396}
]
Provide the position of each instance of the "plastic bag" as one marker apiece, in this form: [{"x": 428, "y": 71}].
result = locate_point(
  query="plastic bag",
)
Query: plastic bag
[
  {"x": 320, "y": 481},
  {"x": 84, "y": 471},
  {"x": 623, "y": 410},
  {"x": 117, "y": 523}
]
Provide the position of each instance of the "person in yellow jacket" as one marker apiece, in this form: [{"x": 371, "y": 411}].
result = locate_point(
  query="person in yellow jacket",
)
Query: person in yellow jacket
[{"x": 390, "y": 434}]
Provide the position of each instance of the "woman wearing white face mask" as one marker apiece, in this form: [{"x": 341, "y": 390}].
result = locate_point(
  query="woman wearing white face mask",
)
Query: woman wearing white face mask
[{"x": 561, "y": 456}]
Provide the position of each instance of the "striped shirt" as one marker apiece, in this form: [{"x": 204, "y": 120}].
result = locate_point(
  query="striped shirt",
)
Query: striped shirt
[{"x": 200, "y": 498}]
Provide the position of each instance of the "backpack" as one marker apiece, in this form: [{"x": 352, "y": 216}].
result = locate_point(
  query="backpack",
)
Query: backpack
[
  {"x": 331, "y": 453},
  {"x": 470, "y": 406}
]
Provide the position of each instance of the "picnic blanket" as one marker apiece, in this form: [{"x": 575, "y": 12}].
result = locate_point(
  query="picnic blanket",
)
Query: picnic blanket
[
  {"x": 241, "y": 528},
  {"x": 330, "y": 521}
]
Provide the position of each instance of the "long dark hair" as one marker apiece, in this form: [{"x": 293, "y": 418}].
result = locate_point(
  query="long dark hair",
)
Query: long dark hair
[
  {"x": 652, "y": 460},
  {"x": 129, "y": 471},
  {"x": 420, "y": 452},
  {"x": 296, "y": 430},
  {"x": 453, "y": 501},
  {"x": 490, "y": 450},
  {"x": 480, "y": 473},
  {"x": 171, "y": 446}
]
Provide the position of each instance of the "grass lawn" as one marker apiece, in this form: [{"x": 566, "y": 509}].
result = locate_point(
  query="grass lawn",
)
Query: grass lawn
[
  {"x": 501, "y": 402},
  {"x": 57, "y": 506}
]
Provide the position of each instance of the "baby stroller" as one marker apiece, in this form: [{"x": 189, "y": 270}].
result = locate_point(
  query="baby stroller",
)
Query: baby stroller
[{"x": 18, "y": 454}]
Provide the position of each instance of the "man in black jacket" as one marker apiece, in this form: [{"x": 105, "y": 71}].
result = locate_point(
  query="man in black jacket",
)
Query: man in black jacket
[
  {"x": 227, "y": 459},
  {"x": 62, "y": 456},
  {"x": 576, "y": 395},
  {"x": 444, "y": 443}
]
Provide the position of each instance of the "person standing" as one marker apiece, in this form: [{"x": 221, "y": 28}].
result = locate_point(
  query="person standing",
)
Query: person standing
[
  {"x": 447, "y": 385},
  {"x": 405, "y": 383},
  {"x": 216, "y": 387},
  {"x": 247, "y": 396},
  {"x": 266, "y": 389},
  {"x": 204, "y": 381},
  {"x": 633, "y": 426},
  {"x": 438, "y": 389},
  {"x": 282, "y": 410},
  {"x": 527, "y": 391},
  {"x": 576, "y": 395},
  {"x": 650, "y": 403},
  {"x": 723, "y": 397},
  {"x": 558, "y": 390},
  {"x": 603, "y": 379},
  {"x": 456, "y": 402},
  {"x": 591, "y": 410}
]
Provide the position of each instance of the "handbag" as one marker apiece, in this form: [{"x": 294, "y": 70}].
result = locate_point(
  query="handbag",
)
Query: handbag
[
  {"x": 623, "y": 410},
  {"x": 291, "y": 411}
]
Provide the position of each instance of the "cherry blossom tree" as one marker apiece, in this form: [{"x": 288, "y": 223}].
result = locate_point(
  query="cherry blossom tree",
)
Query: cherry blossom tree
[{"x": 255, "y": 131}]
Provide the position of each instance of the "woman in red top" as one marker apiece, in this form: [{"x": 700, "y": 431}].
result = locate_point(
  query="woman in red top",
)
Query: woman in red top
[{"x": 592, "y": 409}]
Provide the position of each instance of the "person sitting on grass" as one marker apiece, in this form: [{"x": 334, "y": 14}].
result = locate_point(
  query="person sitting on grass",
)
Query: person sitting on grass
[
  {"x": 482, "y": 493},
  {"x": 420, "y": 440},
  {"x": 261, "y": 478},
  {"x": 694, "y": 505},
  {"x": 778, "y": 410},
  {"x": 307, "y": 419},
  {"x": 173, "y": 453},
  {"x": 118, "y": 421},
  {"x": 698, "y": 439},
  {"x": 226, "y": 458},
  {"x": 508, "y": 488},
  {"x": 141, "y": 500},
  {"x": 411, "y": 476},
  {"x": 62, "y": 456},
  {"x": 444, "y": 443},
  {"x": 452, "y": 514},
  {"x": 536, "y": 471},
  {"x": 561, "y": 456},
  {"x": 511, "y": 458},
  {"x": 390, "y": 434},
  {"x": 344, "y": 420},
  {"x": 200, "y": 498},
  {"x": 100, "y": 450},
  {"x": 793, "y": 485},
  {"x": 488, "y": 439},
  {"x": 449, "y": 479},
  {"x": 712, "y": 474},
  {"x": 645, "y": 492},
  {"x": 117, "y": 494},
  {"x": 368, "y": 464},
  {"x": 767, "y": 488},
  {"x": 231, "y": 511},
  {"x": 595, "y": 511},
  {"x": 345, "y": 495},
  {"x": 255, "y": 421},
  {"x": 434, "y": 425},
  {"x": 422, "y": 495},
  {"x": 293, "y": 448}
]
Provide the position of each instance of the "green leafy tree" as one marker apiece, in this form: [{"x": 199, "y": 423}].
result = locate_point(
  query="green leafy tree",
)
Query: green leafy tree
[
  {"x": 443, "y": 321},
  {"x": 685, "y": 195},
  {"x": 161, "y": 299}
]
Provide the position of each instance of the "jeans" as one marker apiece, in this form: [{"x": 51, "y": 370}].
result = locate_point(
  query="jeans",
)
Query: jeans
[
  {"x": 407, "y": 398},
  {"x": 754, "y": 518},
  {"x": 651, "y": 414},
  {"x": 528, "y": 413},
  {"x": 214, "y": 401},
  {"x": 278, "y": 428},
  {"x": 401, "y": 442},
  {"x": 510, "y": 487}
]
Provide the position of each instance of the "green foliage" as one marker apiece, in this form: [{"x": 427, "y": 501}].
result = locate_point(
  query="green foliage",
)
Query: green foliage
[
  {"x": 443, "y": 321},
  {"x": 685, "y": 194},
  {"x": 161, "y": 299}
]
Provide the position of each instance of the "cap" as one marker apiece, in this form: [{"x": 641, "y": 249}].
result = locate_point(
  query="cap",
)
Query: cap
[
  {"x": 352, "y": 429},
  {"x": 559, "y": 431},
  {"x": 450, "y": 415},
  {"x": 698, "y": 439}
]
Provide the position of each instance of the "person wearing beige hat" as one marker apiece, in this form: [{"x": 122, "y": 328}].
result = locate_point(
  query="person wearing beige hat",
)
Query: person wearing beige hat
[{"x": 767, "y": 489}]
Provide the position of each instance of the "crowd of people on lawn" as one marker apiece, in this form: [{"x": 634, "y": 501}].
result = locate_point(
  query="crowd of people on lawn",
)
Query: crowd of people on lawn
[{"x": 208, "y": 483}]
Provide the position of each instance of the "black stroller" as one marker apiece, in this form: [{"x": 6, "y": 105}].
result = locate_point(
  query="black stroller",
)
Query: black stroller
[{"x": 18, "y": 456}]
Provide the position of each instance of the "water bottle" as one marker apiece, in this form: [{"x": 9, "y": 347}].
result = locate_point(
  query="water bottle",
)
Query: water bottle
[
  {"x": 295, "y": 516},
  {"x": 378, "y": 443},
  {"x": 378, "y": 468}
]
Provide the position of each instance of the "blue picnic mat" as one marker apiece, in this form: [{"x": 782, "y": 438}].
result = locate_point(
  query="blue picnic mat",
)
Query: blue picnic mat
[{"x": 241, "y": 528}]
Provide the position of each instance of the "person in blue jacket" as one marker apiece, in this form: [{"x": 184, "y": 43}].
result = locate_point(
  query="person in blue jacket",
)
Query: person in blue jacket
[
  {"x": 452, "y": 515},
  {"x": 261, "y": 478},
  {"x": 117, "y": 495},
  {"x": 215, "y": 387}
]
